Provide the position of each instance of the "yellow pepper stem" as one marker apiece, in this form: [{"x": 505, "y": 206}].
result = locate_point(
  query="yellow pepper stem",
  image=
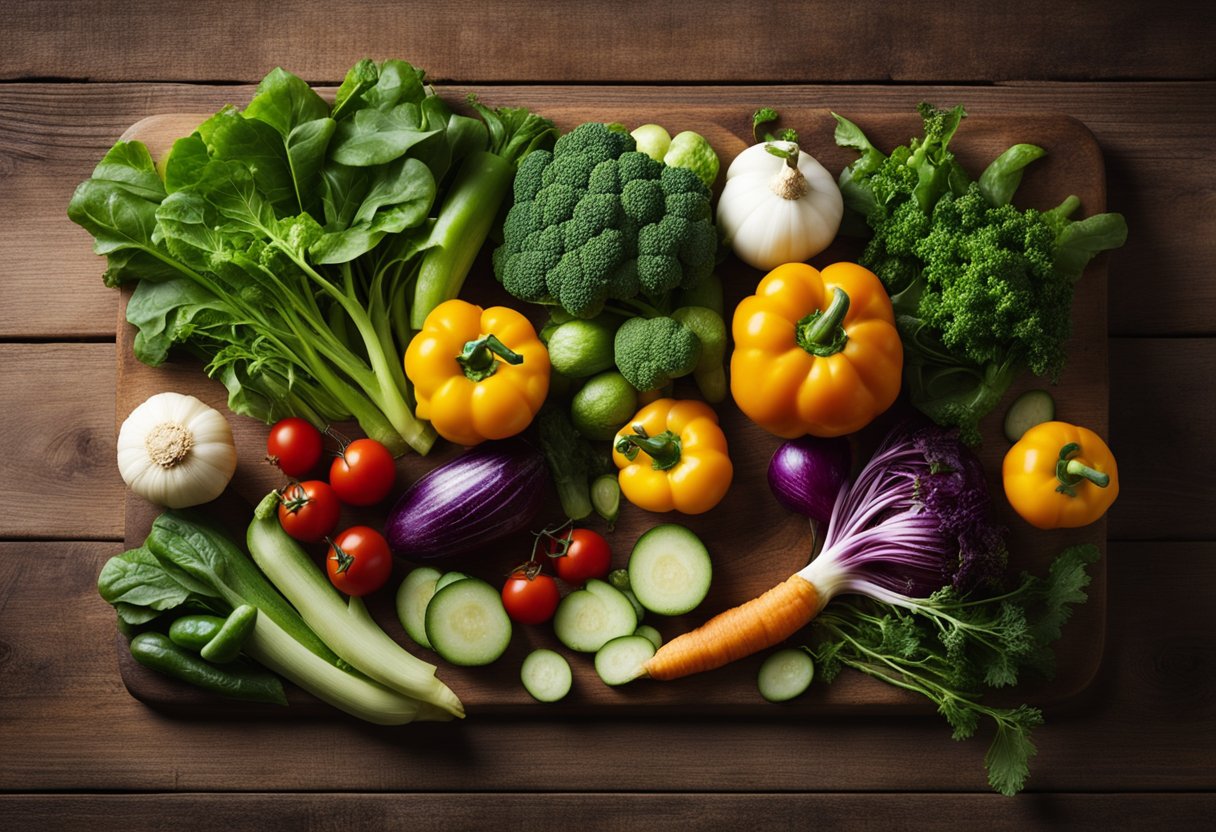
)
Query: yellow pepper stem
[
  {"x": 822, "y": 332},
  {"x": 1072, "y": 472},
  {"x": 478, "y": 357},
  {"x": 664, "y": 450}
]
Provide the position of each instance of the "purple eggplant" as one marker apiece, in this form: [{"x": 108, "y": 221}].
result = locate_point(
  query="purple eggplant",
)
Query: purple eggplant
[{"x": 490, "y": 492}]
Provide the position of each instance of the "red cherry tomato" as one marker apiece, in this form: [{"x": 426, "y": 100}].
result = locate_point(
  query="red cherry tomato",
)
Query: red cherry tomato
[
  {"x": 308, "y": 511},
  {"x": 578, "y": 555},
  {"x": 530, "y": 597},
  {"x": 294, "y": 445},
  {"x": 358, "y": 561},
  {"x": 363, "y": 474}
]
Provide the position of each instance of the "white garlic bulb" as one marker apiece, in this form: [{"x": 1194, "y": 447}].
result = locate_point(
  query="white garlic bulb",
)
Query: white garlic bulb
[{"x": 176, "y": 451}]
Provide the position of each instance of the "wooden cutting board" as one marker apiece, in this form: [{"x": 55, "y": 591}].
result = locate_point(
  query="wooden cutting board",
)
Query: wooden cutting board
[{"x": 753, "y": 542}]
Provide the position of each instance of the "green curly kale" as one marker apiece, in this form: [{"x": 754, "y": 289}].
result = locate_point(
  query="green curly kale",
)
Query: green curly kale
[
  {"x": 950, "y": 647},
  {"x": 595, "y": 220},
  {"x": 981, "y": 289}
]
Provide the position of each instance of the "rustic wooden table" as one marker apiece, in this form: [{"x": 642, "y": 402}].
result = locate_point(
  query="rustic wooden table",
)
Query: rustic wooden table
[{"x": 76, "y": 751}]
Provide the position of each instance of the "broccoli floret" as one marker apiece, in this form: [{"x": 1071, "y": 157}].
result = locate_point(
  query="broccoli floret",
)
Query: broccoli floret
[
  {"x": 650, "y": 352},
  {"x": 596, "y": 220}
]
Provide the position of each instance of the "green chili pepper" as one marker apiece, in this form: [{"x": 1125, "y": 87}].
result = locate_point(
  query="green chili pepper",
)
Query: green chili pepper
[
  {"x": 157, "y": 651},
  {"x": 194, "y": 631}
]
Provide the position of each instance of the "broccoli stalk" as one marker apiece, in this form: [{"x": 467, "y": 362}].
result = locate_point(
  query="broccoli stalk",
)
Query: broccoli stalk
[{"x": 472, "y": 203}]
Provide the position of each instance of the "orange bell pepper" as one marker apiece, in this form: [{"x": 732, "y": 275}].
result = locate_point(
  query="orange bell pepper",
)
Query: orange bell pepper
[
  {"x": 1060, "y": 476},
  {"x": 816, "y": 352},
  {"x": 672, "y": 456},
  {"x": 477, "y": 373}
]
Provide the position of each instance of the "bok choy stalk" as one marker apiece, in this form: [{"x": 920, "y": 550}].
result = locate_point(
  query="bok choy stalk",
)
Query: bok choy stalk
[
  {"x": 473, "y": 200},
  {"x": 186, "y": 565},
  {"x": 343, "y": 625},
  {"x": 913, "y": 532}
]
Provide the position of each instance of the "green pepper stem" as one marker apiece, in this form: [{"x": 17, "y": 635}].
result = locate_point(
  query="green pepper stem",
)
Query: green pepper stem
[
  {"x": 477, "y": 357},
  {"x": 822, "y": 332},
  {"x": 664, "y": 450},
  {"x": 1072, "y": 472}
]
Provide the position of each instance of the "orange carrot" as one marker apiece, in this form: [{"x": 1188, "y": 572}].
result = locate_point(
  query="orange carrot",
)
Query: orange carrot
[{"x": 761, "y": 622}]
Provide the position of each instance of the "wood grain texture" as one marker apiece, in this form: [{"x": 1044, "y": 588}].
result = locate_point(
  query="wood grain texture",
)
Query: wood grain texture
[
  {"x": 1150, "y": 723},
  {"x": 58, "y": 442},
  {"x": 628, "y": 41},
  {"x": 1154, "y": 139},
  {"x": 755, "y": 544},
  {"x": 553, "y": 812}
]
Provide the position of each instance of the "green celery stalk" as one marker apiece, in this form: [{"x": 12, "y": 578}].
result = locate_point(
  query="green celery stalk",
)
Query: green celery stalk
[{"x": 345, "y": 627}]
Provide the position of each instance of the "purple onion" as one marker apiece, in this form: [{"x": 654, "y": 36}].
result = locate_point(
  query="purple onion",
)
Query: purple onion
[
  {"x": 490, "y": 492},
  {"x": 805, "y": 474}
]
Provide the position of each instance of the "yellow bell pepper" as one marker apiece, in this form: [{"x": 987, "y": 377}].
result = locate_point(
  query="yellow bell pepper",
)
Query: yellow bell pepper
[
  {"x": 672, "y": 456},
  {"x": 815, "y": 352},
  {"x": 477, "y": 373},
  {"x": 1060, "y": 476}
]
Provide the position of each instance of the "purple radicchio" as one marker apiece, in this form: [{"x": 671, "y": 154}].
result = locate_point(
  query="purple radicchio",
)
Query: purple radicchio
[{"x": 917, "y": 518}]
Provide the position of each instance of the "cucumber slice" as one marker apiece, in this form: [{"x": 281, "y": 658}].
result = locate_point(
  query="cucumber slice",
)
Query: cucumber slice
[
  {"x": 670, "y": 570},
  {"x": 621, "y": 659},
  {"x": 1029, "y": 409},
  {"x": 785, "y": 674},
  {"x": 466, "y": 623},
  {"x": 588, "y": 618},
  {"x": 648, "y": 632},
  {"x": 449, "y": 578},
  {"x": 413, "y": 595},
  {"x": 546, "y": 675},
  {"x": 606, "y": 497}
]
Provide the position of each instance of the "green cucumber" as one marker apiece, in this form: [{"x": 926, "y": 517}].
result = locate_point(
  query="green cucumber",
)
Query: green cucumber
[
  {"x": 466, "y": 623},
  {"x": 194, "y": 631},
  {"x": 785, "y": 674},
  {"x": 620, "y": 660},
  {"x": 606, "y": 497},
  {"x": 546, "y": 675},
  {"x": 590, "y": 617},
  {"x": 413, "y": 595},
  {"x": 650, "y": 633},
  {"x": 670, "y": 570},
  {"x": 448, "y": 578},
  {"x": 1029, "y": 409}
]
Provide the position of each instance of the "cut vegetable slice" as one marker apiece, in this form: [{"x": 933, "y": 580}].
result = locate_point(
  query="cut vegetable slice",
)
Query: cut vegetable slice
[
  {"x": 621, "y": 659},
  {"x": 413, "y": 595},
  {"x": 546, "y": 675},
  {"x": 650, "y": 633},
  {"x": 466, "y": 623},
  {"x": 670, "y": 570},
  {"x": 1029, "y": 409},
  {"x": 449, "y": 578},
  {"x": 785, "y": 674},
  {"x": 590, "y": 617}
]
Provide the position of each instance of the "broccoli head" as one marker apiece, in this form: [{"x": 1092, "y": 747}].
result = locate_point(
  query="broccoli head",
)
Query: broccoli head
[
  {"x": 650, "y": 352},
  {"x": 595, "y": 220}
]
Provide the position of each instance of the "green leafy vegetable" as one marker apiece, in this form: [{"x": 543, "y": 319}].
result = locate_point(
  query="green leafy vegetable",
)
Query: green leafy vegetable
[
  {"x": 982, "y": 290},
  {"x": 281, "y": 243},
  {"x": 951, "y": 646}
]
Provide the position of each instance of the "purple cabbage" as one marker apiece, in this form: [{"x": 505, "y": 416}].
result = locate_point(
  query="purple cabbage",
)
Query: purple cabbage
[{"x": 917, "y": 518}]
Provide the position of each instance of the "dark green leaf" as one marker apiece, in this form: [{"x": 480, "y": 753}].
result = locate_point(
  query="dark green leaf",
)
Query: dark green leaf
[
  {"x": 359, "y": 79},
  {"x": 284, "y": 101},
  {"x": 1008, "y": 758},
  {"x": 137, "y": 578},
  {"x": 1001, "y": 178},
  {"x": 398, "y": 83},
  {"x": 259, "y": 149},
  {"x": 406, "y": 184},
  {"x": 129, "y": 165},
  {"x": 162, "y": 312},
  {"x": 306, "y": 147},
  {"x": 1083, "y": 240},
  {"x": 343, "y": 189},
  {"x": 376, "y": 137},
  {"x": 185, "y": 163}
]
